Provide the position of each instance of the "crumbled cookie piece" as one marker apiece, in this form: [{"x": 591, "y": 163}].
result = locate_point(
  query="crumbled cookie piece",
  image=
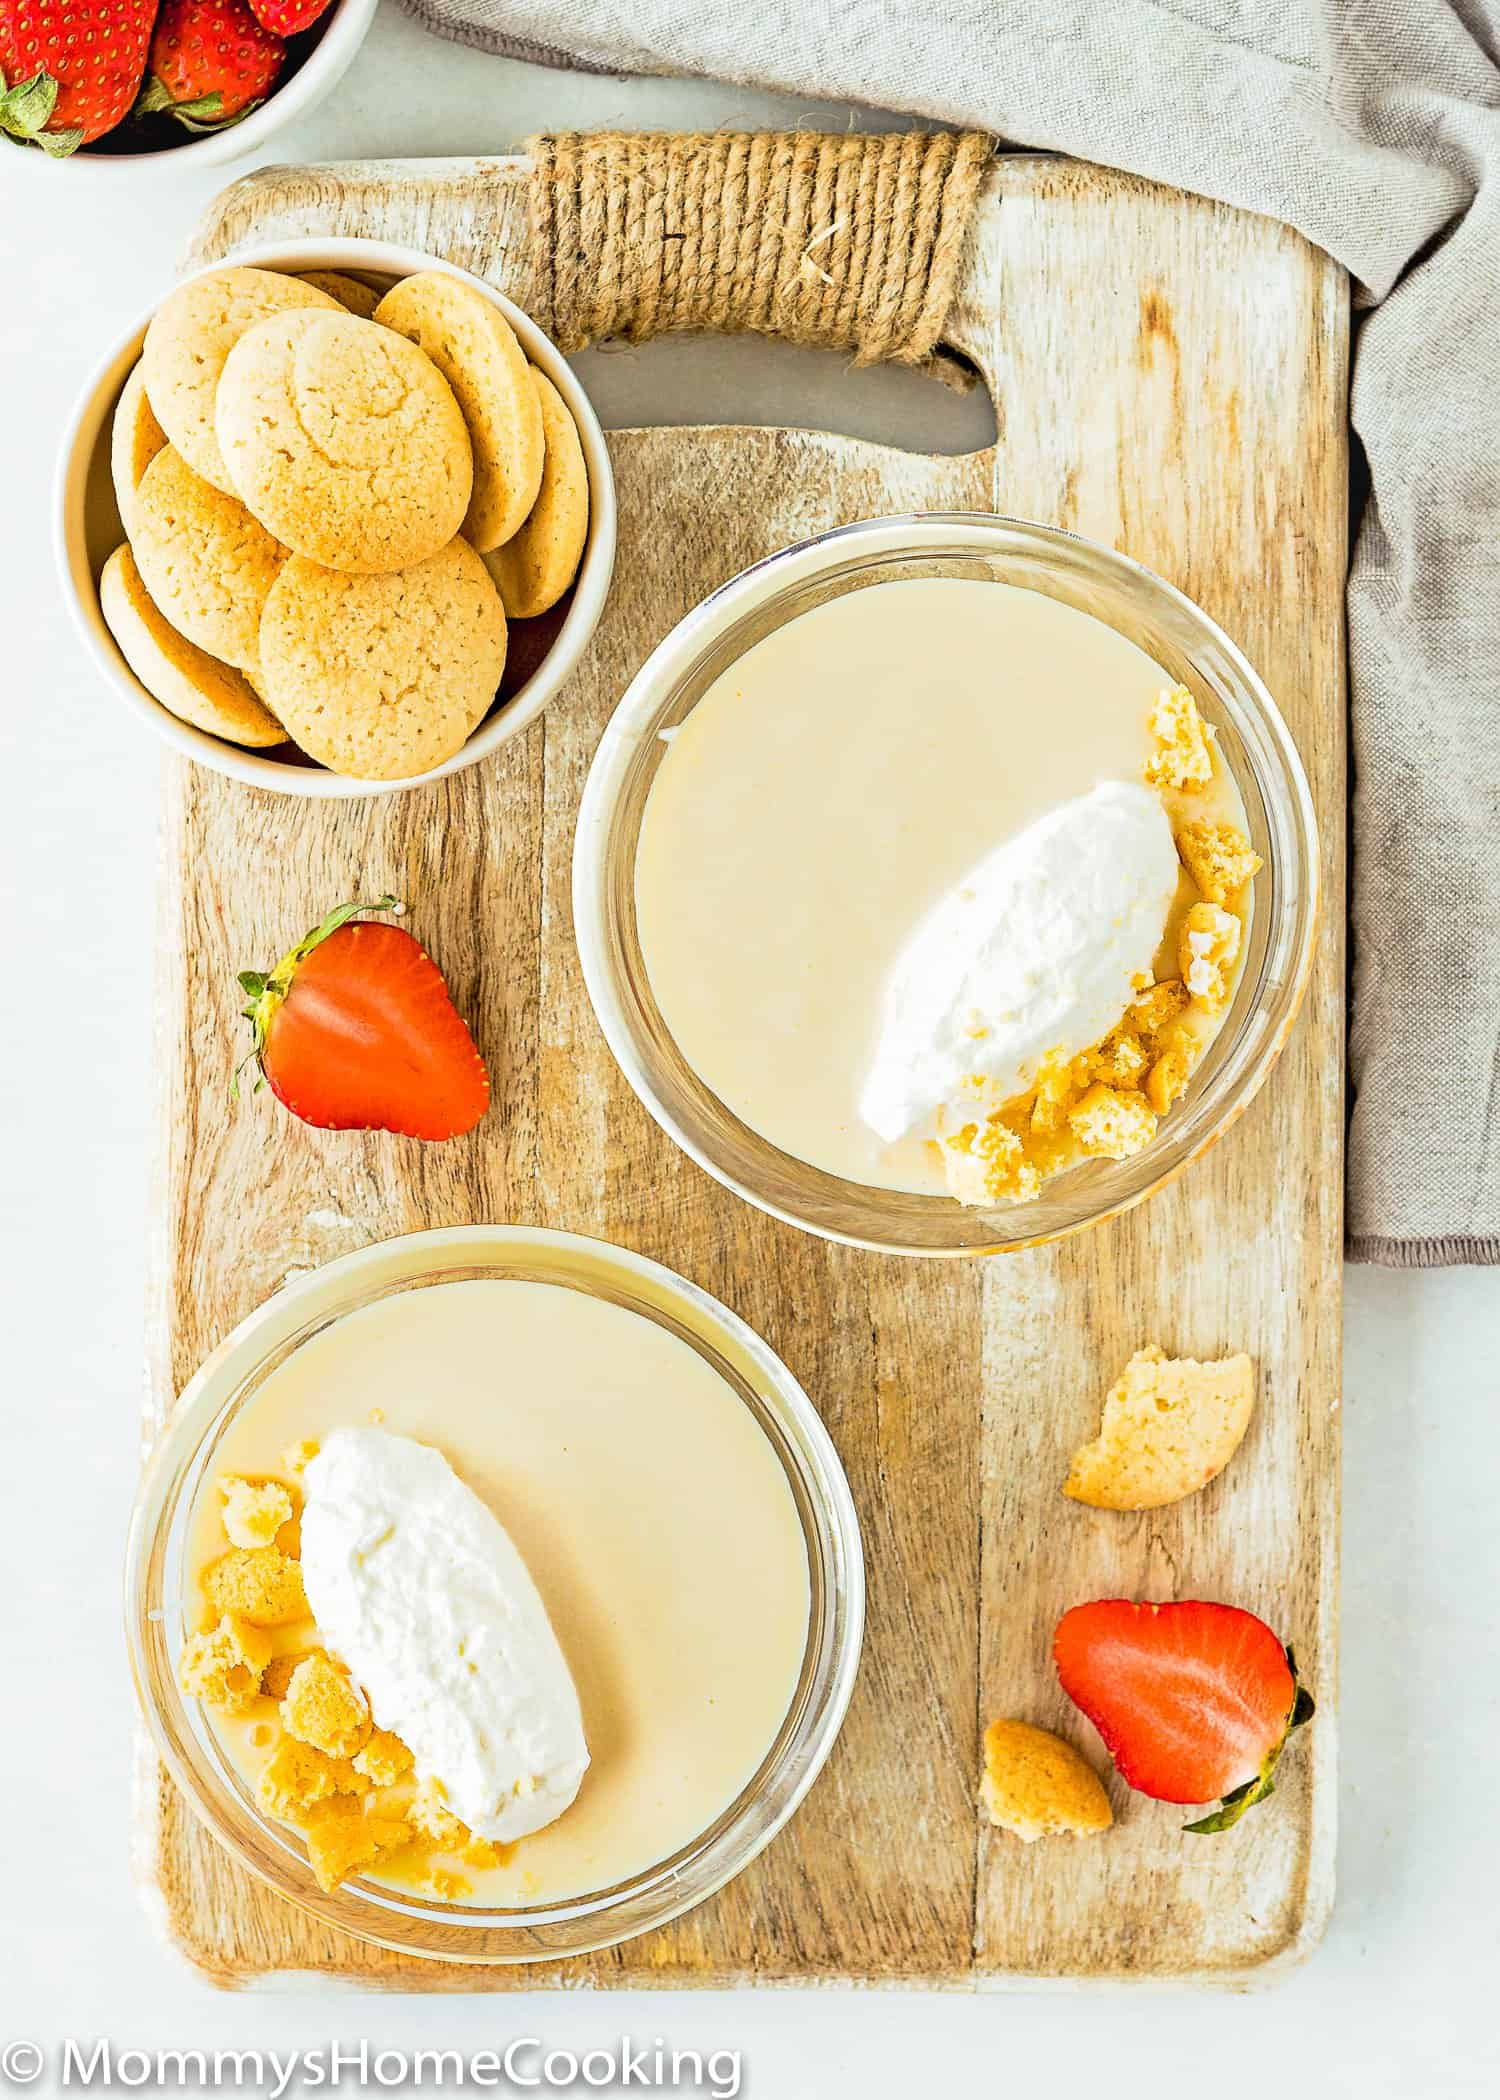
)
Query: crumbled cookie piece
[
  {"x": 325, "y": 1707},
  {"x": 431, "y": 1817},
  {"x": 280, "y": 1670},
  {"x": 1056, "y": 1091},
  {"x": 383, "y": 1759},
  {"x": 296, "y": 1777},
  {"x": 986, "y": 1163},
  {"x": 1119, "y": 1060},
  {"x": 1035, "y": 1785},
  {"x": 223, "y": 1666},
  {"x": 341, "y": 1838},
  {"x": 483, "y": 1853},
  {"x": 1112, "y": 1125},
  {"x": 1207, "y": 948},
  {"x": 254, "y": 1510},
  {"x": 1156, "y": 1007},
  {"x": 299, "y": 1456},
  {"x": 1170, "y": 1425},
  {"x": 1184, "y": 758},
  {"x": 1168, "y": 1078},
  {"x": 446, "y": 1886},
  {"x": 259, "y": 1583},
  {"x": 1219, "y": 858}
]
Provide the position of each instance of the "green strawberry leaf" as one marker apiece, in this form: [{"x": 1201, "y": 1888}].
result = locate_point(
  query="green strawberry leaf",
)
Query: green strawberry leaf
[
  {"x": 1234, "y": 1805},
  {"x": 57, "y": 145},
  {"x": 26, "y": 107},
  {"x": 1241, "y": 1798},
  {"x": 153, "y": 96},
  {"x": 339, "y": 916}
]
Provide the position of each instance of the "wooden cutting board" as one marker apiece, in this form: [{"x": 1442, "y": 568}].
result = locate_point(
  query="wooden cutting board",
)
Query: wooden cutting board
[{"x": 1169, "y": 377}]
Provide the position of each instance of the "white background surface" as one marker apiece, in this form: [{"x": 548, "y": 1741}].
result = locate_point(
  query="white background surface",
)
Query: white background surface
[{"x": 1399, "y": 2000}]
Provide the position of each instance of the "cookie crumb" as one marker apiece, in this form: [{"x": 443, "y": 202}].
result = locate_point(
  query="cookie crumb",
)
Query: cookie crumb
[
  {"x": 323, "y": 1706},
  {"x": 1208, "y": 945},
  {"x": 1184, "y": 757},
  {"x": 223, "y": 1666},
  {"x": 254, "y": 1510},
  {"x": 384, "y": 1758},
  {"x": 259, "y": 1583},
  {"x": 1112, "y": 1125},
  {"x": 1219, "y": 858}
]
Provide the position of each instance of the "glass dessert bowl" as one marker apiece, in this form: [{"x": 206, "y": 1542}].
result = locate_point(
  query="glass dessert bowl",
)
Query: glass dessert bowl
[
  {"x": 399, "y": 1297},
  {"x": 1119, "y": 615}
]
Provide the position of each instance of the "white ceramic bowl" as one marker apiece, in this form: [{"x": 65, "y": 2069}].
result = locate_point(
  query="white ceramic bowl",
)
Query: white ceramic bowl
[
  {"x": 343, "y": 29},
  {"x": 88, "y": 529}
]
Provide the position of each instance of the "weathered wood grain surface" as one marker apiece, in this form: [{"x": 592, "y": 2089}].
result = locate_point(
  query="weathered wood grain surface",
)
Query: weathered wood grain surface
[{"x": 1169, "y": 377}]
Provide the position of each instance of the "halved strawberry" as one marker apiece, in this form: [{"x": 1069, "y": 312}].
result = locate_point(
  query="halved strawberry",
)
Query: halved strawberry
[
  {"x": 354, "y": 1030},
  {"x": 1194, "y": 1701}
]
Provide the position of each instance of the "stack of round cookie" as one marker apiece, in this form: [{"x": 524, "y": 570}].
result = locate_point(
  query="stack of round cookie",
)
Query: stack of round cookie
[{"x": 332, "y": 501}]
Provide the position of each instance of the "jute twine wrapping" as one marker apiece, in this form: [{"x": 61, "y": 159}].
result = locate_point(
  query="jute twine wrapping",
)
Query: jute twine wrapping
[{"x": 842, "y": 242}]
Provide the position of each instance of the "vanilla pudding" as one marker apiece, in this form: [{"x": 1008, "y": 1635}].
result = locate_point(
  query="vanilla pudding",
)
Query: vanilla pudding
[
  {"x": 555, "y": 1494},
  {"x": 912, "y": 855}
]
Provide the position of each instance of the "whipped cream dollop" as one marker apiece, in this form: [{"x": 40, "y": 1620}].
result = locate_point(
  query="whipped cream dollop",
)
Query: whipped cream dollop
[
  {"x": 1037, "y": 950},
  {"x": 417, "y": 1587}
]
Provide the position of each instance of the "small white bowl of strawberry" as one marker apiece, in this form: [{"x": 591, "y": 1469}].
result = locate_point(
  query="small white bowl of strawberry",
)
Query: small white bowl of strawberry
[{"x": 112, "y": 83}]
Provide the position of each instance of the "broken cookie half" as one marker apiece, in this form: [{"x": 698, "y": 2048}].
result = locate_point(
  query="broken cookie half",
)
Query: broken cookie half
[
  {"x": 1170, "y": 1425},
  {"x": 1035, "y": 1785}
]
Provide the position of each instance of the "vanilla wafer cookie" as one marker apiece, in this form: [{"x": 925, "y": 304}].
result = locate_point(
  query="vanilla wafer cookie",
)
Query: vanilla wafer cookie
[
  {"x": 536, "y": 565},
  {"x": 186, "y": 680},
  {"x": 345, "y": 440},
  {"x": 134, "y": 441},
  {"x": 192, "y": 333},
  {"x": 384, "y": 676},
  {"x": 476, "y": 350},
  {"x": 208, "y": 565}
]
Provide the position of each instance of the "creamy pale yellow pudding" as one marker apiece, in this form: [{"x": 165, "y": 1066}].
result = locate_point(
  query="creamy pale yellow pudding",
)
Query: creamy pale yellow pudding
[
  {"x": 943, "y": 887},
  {"x": 519, "y": 1586}
]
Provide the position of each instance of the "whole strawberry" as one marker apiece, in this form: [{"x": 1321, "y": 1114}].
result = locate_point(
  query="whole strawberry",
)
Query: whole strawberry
[
  {"x": 287, "y": 17},
  {"x": 69, "y": 69},
  {"x": 211, "y": 63},
  {"x": 354, "y": 1030}
]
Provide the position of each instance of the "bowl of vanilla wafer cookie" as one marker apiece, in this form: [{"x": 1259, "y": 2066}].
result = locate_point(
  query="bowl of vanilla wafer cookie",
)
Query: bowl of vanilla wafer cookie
[{"x": 335, "y": 518}]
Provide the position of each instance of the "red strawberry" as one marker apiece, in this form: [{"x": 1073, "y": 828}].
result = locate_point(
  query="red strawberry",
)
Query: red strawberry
[
  {"x": 288, "y": 17},
  {"x": 1194, "y": 1701},
  {"x": 354, "y": 1030},
  {"x": 69, "y": 69},
  {"x": 211, "y": 63}
]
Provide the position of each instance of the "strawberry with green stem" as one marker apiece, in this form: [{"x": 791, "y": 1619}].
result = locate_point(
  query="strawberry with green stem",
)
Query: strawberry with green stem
[
  {"x": 211, "y": 63},
  {"x": 1195, "y": 1701},
  {"x": 355, "y": 1030},
  {"x": 70, "y": 69}
]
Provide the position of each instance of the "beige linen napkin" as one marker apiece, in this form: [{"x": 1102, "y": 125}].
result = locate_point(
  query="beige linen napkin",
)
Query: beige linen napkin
[{"x": 1374, "y": 127}]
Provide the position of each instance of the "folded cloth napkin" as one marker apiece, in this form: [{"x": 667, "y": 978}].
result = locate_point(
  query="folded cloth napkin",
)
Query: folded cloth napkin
[{"x": 1373, "y": 126}]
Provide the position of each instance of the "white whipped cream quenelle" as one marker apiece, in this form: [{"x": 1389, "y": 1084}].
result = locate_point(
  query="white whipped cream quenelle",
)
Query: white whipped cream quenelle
[
  {"x": 416, "y": 1586},
  {"x": 1035, "y": 950}
]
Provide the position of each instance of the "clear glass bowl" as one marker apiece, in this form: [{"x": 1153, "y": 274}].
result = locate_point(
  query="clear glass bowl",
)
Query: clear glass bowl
[
  {"x": 1190, "y": 648},
  {"x": 156, "y": 1589}
]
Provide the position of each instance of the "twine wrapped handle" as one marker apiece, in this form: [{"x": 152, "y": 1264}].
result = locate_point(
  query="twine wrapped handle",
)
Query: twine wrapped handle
[{"x": 841, "y": 242}]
